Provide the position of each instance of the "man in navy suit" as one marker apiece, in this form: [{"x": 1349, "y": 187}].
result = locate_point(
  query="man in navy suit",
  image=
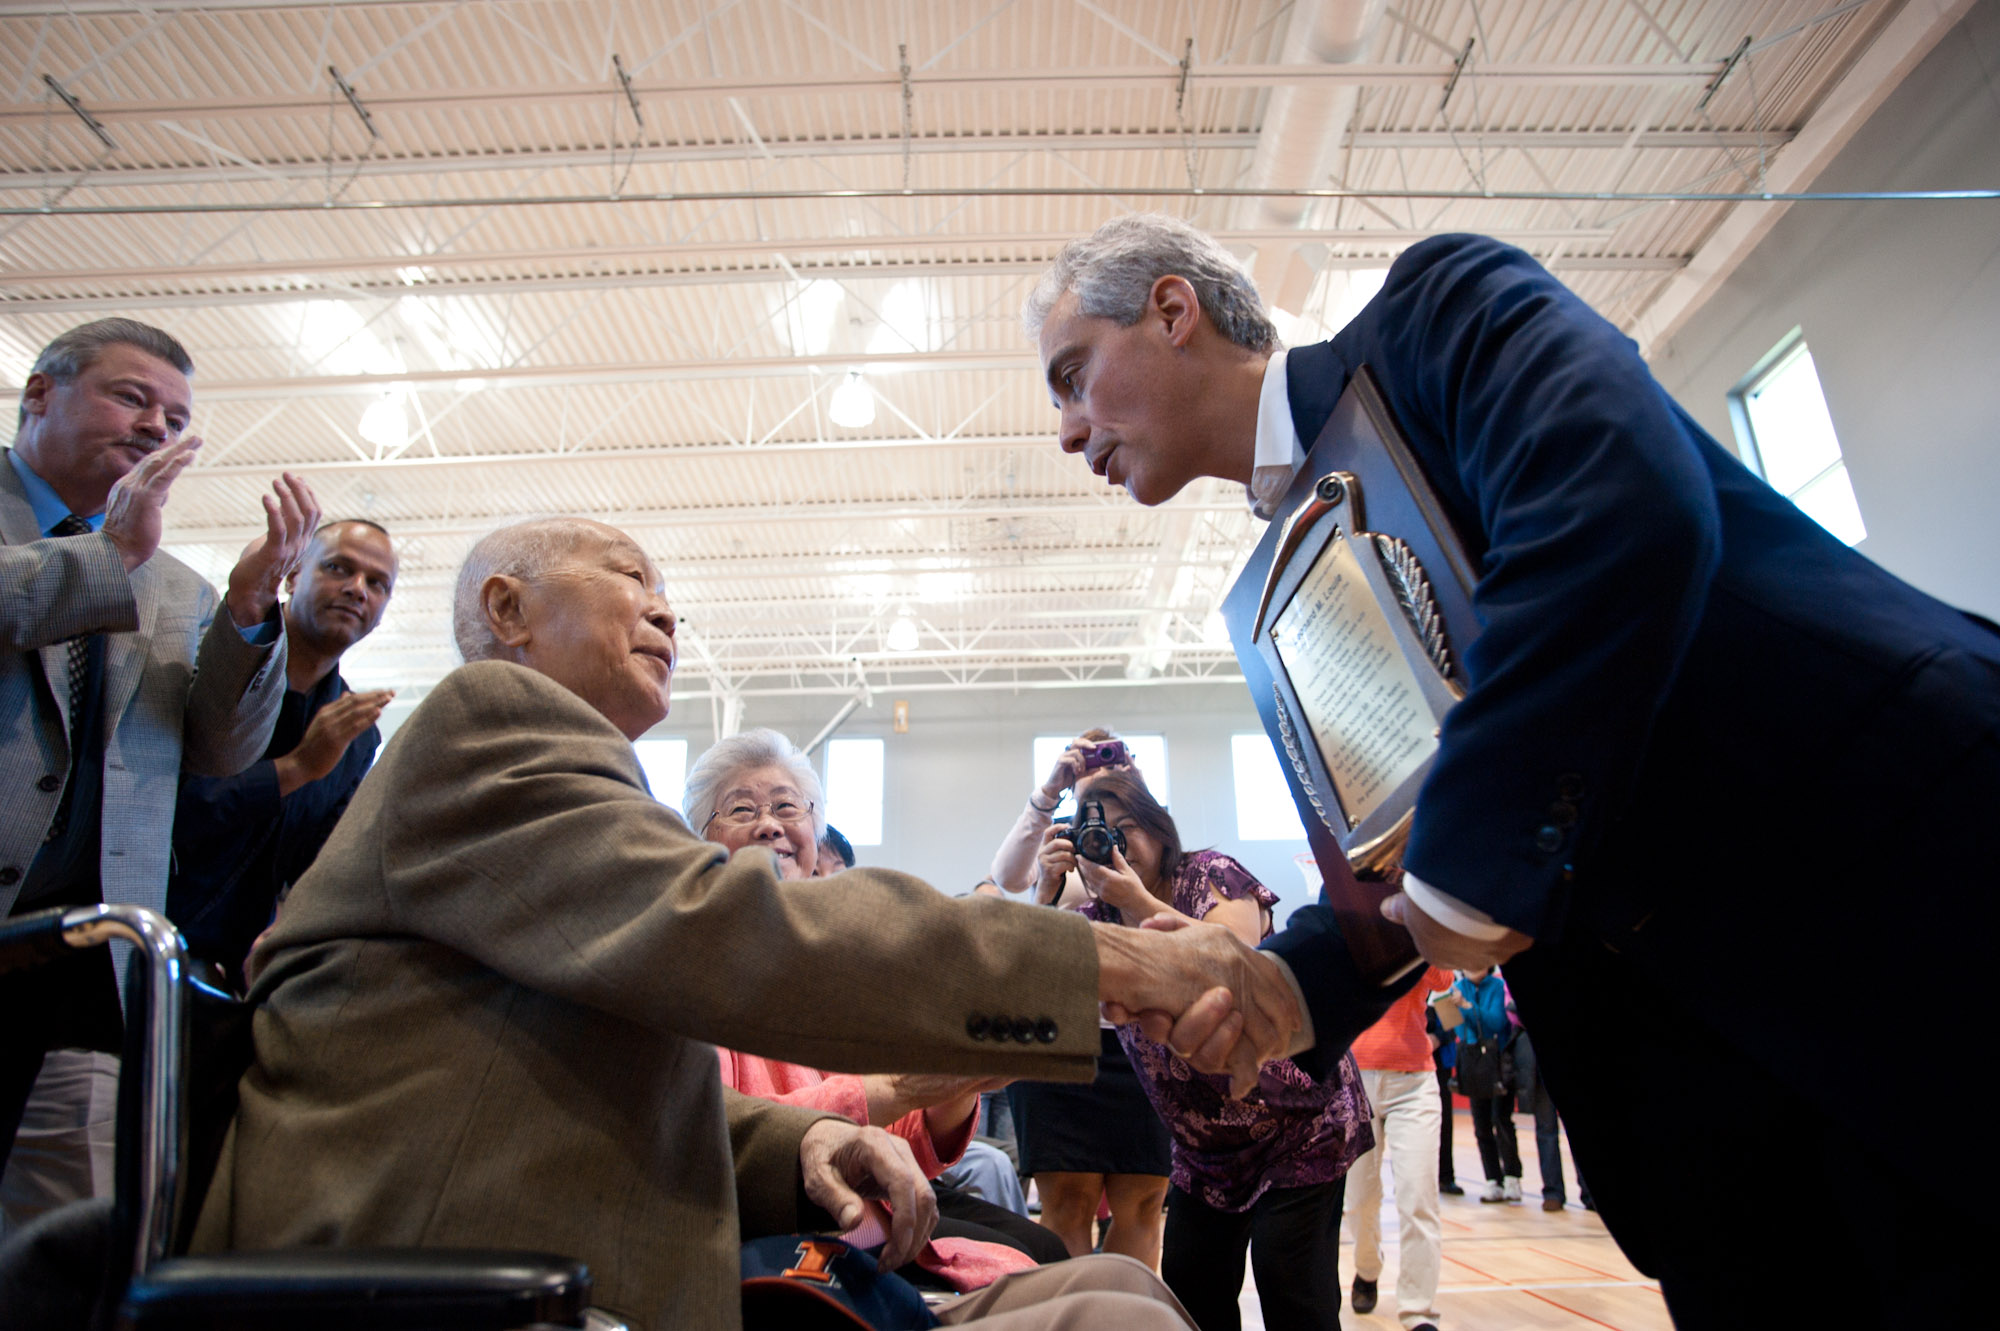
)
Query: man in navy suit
[{"x": 1705, "y": 749}]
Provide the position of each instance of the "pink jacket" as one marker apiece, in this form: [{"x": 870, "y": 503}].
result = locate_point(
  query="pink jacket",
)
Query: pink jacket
[{"x": 839, "y": 1093}]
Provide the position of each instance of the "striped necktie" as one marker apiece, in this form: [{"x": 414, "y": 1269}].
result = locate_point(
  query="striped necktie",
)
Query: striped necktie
[{"x": 79, "y": 676}]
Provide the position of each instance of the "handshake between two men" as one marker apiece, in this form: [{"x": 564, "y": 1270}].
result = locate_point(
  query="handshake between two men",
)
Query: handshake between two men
[{"x": 1228, "y": 1008}]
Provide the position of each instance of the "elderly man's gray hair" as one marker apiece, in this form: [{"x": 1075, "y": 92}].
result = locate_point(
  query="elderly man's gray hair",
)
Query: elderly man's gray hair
[
  {"x": 526, "y": 550},
  {"x": 1112, "y": 271},
  {"x": 727, "y": 759},
  {"x": 75, "y": 351}
]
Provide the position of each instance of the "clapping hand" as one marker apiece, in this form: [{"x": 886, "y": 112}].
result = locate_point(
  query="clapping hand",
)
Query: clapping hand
[
  {"x": 334, "y": 727},
  {"x": 132, "y": 514},
  {"x": 291, "y": 516}
]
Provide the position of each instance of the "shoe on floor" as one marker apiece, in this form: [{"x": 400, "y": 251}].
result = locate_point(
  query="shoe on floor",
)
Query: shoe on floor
[
  {"x": 1510, "y": 1189},
  {"x": 1449, "y": 1189},
  {"x": 1363, "y": 1298},
  {"x": 1493, "y": 1192},
  {"x": 1552, "y": 1203}
]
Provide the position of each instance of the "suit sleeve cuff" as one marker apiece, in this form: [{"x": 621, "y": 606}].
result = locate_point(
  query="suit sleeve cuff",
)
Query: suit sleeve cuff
[
  {"x": 1452, "y": 913},
  {"x": 265, "y": 631}
]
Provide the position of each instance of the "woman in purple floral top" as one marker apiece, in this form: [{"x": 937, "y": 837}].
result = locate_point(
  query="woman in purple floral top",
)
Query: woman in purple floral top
[{"x": 1266, "y": 1173}]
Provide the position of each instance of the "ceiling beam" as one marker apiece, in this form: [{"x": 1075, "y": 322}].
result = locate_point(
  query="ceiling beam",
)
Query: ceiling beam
[
  {"x": 1107, "y": 502},
  {"x": 1903, "y": 43},
  {"x": 26, "y": 303},
  {"x": 1049, "y": 565},
  {"x": 653, "y": 453},
  {"x": 386, "y": 102},
  {"x": 596, "y": 155},
  {"x": 89, "y": 176},
  {"x": 550, "y": 376},
  {"x": 710, "y": 252}
]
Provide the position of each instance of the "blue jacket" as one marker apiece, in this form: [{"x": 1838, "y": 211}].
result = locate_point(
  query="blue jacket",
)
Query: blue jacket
[
  {"x": 1486, "y": 1019},
  {"x": 1695, "y": 722}
]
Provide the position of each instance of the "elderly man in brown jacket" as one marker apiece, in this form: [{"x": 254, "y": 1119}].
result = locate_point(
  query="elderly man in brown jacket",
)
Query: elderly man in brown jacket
[{"x": 483, "y": 1016}]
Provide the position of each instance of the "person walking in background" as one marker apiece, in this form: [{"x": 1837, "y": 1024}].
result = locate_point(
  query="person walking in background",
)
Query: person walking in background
[
  {"x": 1395, "y": 1060},
  {"x": 1535, "y": 1099},
  {"x": 1481, "y": 996},
  {"x": 1444, "y": 1061}
]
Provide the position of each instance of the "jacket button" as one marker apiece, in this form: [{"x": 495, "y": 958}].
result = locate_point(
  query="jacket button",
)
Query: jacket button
[
  {"x": 1562, "y": 813},
  {"x": 49, "y": 783},
  {"x": 9, "y": 876},
  {"x": 1570, "y": 786},
  {"x": 1548, "y": 839},
  {"x": 1045, "y": 1030},
  {"x": 977, "y": 1026},
  {"x": 1024, "y": 1031}
]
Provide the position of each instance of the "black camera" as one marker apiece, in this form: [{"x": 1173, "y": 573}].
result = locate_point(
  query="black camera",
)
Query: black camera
[{"x": 1094, "y": 838}]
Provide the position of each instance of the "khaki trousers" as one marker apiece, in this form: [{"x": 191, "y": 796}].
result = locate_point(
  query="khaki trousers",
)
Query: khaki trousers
[{"x": 1082, "y": 1294}]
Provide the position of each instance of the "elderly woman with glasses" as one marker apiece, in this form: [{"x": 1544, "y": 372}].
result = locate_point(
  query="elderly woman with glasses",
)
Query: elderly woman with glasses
[{"x": 756, "y": 790}]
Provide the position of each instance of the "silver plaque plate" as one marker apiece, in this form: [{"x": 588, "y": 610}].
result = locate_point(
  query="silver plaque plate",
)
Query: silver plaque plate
[{"x": 1362, "y": 702}]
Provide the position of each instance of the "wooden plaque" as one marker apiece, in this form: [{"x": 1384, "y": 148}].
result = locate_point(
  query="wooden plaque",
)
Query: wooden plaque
[{"x": 1348, "y": 621}]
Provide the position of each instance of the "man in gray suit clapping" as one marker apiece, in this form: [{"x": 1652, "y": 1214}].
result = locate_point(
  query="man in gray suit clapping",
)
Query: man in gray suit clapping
[{"x": 115, "y": 672}]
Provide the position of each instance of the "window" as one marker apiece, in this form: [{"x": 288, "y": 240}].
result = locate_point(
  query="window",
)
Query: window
[
  {"x": 665, "y": 762},
  {"x": 1264, "y": 809},
  {"x": 1787, "y": 438},
  {"x": 1149, "y": 755},
  {"x": 854, "y": 789}
]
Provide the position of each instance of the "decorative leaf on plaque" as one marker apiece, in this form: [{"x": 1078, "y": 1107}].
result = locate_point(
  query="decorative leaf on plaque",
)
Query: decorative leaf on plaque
[{"x": 1413, "y": 593}]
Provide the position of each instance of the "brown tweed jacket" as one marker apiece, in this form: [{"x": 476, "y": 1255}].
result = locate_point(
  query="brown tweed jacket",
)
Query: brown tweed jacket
[{"x": 484, "y": 1014}]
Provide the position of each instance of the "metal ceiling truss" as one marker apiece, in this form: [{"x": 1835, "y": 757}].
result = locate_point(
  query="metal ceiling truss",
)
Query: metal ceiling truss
[{"x": 582, "y": 172}]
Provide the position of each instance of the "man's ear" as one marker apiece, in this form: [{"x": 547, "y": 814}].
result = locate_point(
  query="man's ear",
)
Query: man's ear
[
  {"x": 504, "y": 602},
  {"x": 1177, "y": 308},
  {"x": 35, "y": 393}
]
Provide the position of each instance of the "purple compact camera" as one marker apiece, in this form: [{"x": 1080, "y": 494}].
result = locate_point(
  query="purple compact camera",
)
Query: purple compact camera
[{"x": 1110, "y": 753}]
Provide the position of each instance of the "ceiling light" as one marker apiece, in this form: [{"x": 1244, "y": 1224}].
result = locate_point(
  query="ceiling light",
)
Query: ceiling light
[
  {"x": 853, "y": 406},
  {"x": 385, "y": 424},
  {"x": 902, "y": 635}
]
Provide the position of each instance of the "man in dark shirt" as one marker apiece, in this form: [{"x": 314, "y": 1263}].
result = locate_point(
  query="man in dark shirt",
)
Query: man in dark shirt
[{"x": 240, "y": 840}]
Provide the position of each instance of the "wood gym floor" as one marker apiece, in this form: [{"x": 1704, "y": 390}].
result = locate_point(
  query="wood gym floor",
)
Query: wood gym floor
[{"x": 1509, "y": 1267}]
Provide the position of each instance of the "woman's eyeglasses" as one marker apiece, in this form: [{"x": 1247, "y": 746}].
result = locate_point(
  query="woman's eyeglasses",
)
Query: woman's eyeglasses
[{"x": 744, "y": 813}]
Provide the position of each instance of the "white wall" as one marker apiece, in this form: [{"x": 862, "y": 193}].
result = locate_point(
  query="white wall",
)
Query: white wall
[
  {"x": 1900, "y": 303},
  {"x": 956, "y": 782}
]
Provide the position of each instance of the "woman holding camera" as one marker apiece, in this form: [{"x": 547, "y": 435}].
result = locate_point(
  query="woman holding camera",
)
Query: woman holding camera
[
  {"x": 1266, "y": 1173},
  {"x": 1014, "y": 865},
  {"x": 1085, "y": 1144}
]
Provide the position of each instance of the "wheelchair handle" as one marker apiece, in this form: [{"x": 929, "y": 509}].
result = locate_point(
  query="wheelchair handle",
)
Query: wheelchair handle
[{"x": 32, "y": 940}]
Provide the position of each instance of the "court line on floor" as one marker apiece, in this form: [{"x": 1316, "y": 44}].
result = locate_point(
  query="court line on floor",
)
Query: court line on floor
[
  {"x": 1581, "y": 1266},
  {"x": 1532, "y": 1286},
  {"x": 1573, "y": 1312}
]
